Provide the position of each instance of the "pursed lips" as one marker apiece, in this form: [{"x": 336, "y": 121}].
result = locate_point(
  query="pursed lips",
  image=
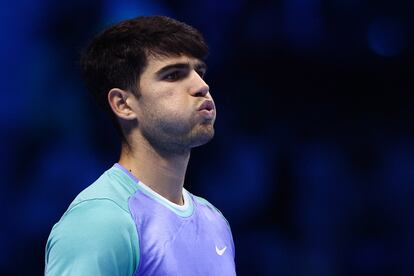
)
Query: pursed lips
[
  {"x": 207, "y": 105},
  {"x": 207, "y": 109}
]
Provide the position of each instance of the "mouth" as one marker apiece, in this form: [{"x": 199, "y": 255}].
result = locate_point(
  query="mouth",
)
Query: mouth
[
  {"x": 207, "y": 110},
  {"x": 207, "y": 105}
]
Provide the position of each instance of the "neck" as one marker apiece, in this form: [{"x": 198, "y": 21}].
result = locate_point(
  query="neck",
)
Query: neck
[{"x": 163, "y": 173}]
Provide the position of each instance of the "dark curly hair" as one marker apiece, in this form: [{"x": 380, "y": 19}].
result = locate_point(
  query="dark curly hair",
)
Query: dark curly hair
[{"x": 117, "y": 57}]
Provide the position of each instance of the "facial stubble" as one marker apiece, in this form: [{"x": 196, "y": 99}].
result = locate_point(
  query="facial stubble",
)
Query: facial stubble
[{"x": 174, "y": 135}]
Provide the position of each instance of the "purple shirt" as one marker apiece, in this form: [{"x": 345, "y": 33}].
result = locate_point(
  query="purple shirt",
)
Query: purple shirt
[
  {"x": 119, "y": 226},
  {"x": 200, "y": 244}
]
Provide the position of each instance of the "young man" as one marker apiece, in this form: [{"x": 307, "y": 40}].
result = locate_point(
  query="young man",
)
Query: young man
[{"x": 137, "y": 219}]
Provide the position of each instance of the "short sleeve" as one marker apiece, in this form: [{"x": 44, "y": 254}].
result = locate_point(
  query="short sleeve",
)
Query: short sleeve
[{"x": 95, "y": 237}]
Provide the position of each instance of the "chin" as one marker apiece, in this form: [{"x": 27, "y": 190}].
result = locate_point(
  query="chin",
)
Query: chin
[{"x": 203, "y": 136}]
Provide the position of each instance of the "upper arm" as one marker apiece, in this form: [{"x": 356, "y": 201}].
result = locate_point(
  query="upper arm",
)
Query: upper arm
[{"x": 96, "y": 237}]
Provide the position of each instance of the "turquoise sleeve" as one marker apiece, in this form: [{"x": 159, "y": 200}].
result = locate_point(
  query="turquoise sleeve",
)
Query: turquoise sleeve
[{"x": 95, "y": 237}]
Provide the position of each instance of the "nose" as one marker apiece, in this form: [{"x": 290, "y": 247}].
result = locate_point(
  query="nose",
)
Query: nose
[{"x": 199, "y": 88}]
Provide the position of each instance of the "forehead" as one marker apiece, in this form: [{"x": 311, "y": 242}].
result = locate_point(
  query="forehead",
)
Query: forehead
[{"x": 156, "y": 63}]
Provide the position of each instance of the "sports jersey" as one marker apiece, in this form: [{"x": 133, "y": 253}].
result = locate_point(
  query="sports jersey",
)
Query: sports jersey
[{"x": 120, "y": 226}]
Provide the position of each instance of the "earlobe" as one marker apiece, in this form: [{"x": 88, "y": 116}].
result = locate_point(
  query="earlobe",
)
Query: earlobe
[{"x": 117, "y": 100}]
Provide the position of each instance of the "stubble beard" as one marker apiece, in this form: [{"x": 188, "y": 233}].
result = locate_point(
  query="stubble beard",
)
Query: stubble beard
[{"x": 172, "y": 137}]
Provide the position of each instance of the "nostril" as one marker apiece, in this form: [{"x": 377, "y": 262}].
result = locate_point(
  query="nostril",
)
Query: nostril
[{"x": 200, "y": 91}]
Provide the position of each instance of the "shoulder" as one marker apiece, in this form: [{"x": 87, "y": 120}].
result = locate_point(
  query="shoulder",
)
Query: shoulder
[
  {"x": 93, "y": 214},
  {"x": 113, "y": 184},
  {"x": 210, "y": 210},
  {"x": 205, "y": 203},
  {"x": 94, "y": 236}
]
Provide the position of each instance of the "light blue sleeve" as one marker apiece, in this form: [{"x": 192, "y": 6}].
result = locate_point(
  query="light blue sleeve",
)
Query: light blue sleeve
[{"x": 95, "y": 237}]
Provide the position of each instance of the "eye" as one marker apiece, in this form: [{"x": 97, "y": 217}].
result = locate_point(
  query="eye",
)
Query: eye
[{"x": 173, "y": 76}]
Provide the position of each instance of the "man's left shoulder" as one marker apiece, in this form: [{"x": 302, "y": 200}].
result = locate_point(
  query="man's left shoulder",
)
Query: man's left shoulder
[{"x": 209, "y": 206}]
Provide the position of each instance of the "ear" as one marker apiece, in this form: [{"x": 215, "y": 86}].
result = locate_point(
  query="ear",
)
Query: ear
[{"x": 118, "y": 101}]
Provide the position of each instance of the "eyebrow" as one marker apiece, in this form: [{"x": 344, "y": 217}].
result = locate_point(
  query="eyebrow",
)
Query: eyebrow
[{"x": 200, "y": 65}]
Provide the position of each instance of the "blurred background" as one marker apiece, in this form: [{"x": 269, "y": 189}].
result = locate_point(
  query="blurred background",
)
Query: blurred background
[{"x": 313, "y": 159}]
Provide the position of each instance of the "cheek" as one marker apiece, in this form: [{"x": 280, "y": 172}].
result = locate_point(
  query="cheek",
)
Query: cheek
[
  {"x": 169, "y": 110},
  {"x": 175, "y": 103},
  {"x": 169, "y": 102}
]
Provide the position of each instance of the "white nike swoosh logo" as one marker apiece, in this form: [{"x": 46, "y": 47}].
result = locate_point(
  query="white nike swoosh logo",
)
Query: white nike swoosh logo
[{"x": 221, "y": 251}]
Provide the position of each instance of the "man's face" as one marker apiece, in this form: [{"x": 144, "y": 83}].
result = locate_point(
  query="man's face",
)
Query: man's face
[{"x": 175, "y": 109}]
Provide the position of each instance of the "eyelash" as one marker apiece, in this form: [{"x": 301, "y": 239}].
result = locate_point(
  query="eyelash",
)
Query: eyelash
[
  {"x": 173, "y": 76},
  {"x": 201, "y": 73},
  {"x": 176, "y": 75}
]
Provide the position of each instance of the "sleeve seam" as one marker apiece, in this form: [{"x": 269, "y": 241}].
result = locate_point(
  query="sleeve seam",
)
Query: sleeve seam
[{"x": 91, "y": 200}]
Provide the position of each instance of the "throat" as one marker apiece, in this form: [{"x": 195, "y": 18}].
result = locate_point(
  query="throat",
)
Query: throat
[{"x": 165, "y": 176}]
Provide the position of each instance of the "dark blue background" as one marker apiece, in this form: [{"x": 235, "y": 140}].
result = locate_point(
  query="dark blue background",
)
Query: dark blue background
[{"x": 313, "y": 160}]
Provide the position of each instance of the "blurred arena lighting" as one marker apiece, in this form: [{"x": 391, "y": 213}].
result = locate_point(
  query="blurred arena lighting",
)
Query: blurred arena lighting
[
  {"x": 302, "y": 23},
  {"x": 244, "y": 179},
  {"x": 264, "y": 26},
  {"x": 387, "y": 36},
  {"x": 117, "y": 10}
]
